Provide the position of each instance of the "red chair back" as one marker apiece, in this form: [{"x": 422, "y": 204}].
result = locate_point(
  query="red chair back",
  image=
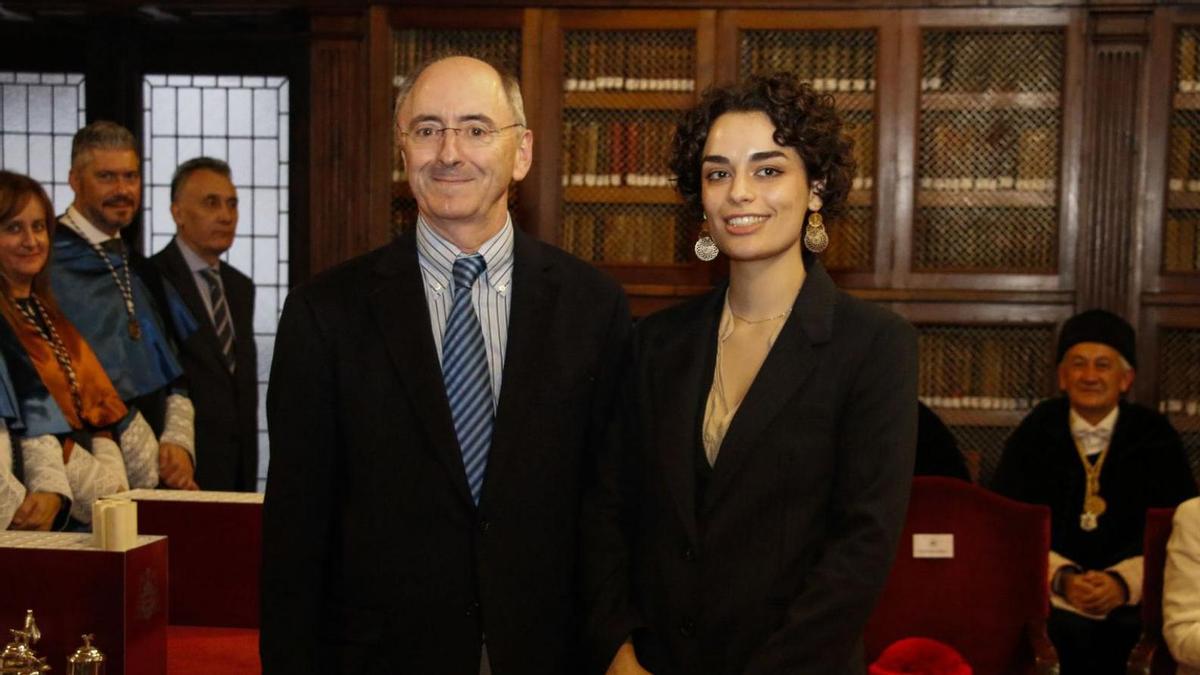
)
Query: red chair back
[
  {"x": 1154, "y": 559},
  {"x": 981, "y": 600}
]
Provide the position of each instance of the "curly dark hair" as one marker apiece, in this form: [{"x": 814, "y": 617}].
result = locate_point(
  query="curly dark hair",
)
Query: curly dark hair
[{"x": 803, "y": 119}]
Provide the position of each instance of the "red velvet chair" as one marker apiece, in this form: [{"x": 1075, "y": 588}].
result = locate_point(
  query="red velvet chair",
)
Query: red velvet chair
[
  {"x": 990, "y": 600},
  {"x": 1150, "y": 656}
]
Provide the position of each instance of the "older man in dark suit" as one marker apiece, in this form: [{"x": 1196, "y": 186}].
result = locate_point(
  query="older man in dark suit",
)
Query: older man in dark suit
[
  {"x": 219, "y": 358},
  {"x": 432, "y": 407}
]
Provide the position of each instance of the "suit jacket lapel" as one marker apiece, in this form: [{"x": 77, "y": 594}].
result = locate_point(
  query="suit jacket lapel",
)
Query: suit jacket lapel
[
  {"x": 782, "y": 374},
  {"x": 181, "y": 277},
  {"x": 683, "y": 377},
  {"x": 535, "y": 289},
  {"x": 398, "y": 304}
]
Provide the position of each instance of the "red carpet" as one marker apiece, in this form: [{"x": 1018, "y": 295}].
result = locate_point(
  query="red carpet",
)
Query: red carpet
[{"x": 200, "y": 650}]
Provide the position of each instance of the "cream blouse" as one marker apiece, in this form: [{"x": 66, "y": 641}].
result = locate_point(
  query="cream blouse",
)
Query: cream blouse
[{"x": 742, "y": 346}]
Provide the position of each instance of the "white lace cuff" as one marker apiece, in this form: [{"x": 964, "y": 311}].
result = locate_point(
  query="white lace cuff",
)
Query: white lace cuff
[
  {"x": 95, "y": 474},
  {"x": 140, "y": 450},
  {"x": 179, "y": 426},
  {"x": 12, "y": 493},
  {"x": 44, "y": 470}
]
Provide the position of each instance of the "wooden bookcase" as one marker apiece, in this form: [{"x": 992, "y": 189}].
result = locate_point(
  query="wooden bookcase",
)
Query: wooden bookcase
[
  {"x": 620, "y": 80},
  {"x": 1169, "y": 301}
]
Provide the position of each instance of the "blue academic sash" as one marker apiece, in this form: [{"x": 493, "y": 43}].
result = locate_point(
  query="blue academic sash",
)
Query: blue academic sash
[{"x": 90, "y": 299}]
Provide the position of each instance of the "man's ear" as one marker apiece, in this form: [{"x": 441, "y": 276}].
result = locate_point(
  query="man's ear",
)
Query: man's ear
[
  {"x": 524, "y": 157},
  {"x": 1126, "y": 382}
]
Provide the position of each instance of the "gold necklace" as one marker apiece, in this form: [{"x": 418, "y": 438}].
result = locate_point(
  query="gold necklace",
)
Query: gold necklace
[{"x": 755, "y": 321}]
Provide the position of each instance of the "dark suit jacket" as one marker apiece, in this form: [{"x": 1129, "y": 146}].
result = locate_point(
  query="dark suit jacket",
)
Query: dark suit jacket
[
  {"x": 375, "y": 558},
  {"x": 777, "y": 568},
  {"x": 226, "y": 404}
]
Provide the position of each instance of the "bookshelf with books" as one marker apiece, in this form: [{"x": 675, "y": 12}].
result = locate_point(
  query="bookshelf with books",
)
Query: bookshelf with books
[
  {"x": 983, "y": 374},
  {"x": 621, "y": 80},
  {"x": 838, "y": 54},
  {"x": 990, "y": 127},
  {"x": 1169, "y": 294},
  {"x": 1180, "y": 242}
]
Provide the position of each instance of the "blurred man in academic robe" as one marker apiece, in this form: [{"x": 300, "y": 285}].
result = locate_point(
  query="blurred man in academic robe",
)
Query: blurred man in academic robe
[{"x": 1098, "y": 462}]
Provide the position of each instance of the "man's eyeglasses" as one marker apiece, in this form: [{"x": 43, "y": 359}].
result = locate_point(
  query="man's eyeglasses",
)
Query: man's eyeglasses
[{"x": 475, "y": 134}]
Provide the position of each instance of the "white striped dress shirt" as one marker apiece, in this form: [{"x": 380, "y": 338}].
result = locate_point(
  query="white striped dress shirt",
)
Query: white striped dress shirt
[{"x": 491, "y": 295}]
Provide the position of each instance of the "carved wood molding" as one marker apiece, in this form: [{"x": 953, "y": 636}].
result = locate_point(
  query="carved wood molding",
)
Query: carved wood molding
[{"x": 1108, "y": 246}]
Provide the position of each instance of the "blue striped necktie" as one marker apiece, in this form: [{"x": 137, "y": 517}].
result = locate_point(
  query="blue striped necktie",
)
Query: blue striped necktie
[
  {"x": 220, "y": 316},
  {"x": 466, "y": 375}
]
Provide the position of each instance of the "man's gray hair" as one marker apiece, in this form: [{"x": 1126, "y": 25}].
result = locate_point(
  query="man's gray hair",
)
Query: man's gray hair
[
  {"x": 512, "y": 86},
  {"x": 185, "y": 171},
  {"x": 100, "y": 135}
]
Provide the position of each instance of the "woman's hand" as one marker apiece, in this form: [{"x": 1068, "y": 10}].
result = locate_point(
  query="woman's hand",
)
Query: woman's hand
[
  {"x": 37, "y": 512},
  {"x": 625, "y": 662}
]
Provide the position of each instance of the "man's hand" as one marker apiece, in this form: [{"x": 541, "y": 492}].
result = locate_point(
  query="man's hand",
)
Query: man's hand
[
  {"x": 175, "y": 468},
  {"x": 625, "y": 662},
  {"x": 37, "y": 512},
  {"x": 1107, "y": 593},
  {"x": 1093, "y": 592}
]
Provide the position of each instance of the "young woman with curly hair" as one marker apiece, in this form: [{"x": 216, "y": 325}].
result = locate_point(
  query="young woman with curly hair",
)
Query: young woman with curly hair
[{"x": 746, "y": 512}]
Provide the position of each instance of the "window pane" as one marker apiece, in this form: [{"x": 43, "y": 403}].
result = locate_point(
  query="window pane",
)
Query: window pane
[{"x": 244, "y": 121}]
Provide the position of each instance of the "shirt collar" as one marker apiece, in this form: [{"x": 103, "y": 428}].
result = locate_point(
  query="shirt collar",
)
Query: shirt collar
[
  {"x": 437, "y": 254},
  {"x": 1079, "y": 424},
  {"x": 194, "y": 262},
  {"x": 78, "y": 222}
]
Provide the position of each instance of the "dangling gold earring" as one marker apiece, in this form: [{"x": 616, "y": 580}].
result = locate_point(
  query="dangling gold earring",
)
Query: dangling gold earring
[
  {"x": 705, "y": 248},
  {"x": 815, "y": 237}
]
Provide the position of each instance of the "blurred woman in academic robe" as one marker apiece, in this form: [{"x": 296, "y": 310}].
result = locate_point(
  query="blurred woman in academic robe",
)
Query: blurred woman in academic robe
[{"x": 71, "y": 415}]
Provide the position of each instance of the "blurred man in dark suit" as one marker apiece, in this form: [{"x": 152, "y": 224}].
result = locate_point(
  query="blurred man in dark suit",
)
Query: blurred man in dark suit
[{"x": 219, "y": 357}]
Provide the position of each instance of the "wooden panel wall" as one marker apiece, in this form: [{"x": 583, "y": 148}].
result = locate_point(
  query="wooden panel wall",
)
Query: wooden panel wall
[
  {"x": 1108, "y": 241},
  {"x": 339, "y": 136}
]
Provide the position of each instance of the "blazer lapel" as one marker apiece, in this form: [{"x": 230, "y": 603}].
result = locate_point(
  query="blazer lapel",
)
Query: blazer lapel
[
  {"x": 535, "y": 289},
  {"x": 180, "y": 275},
  {"x": 683, "y": 378},
  {"x": 398, "y": 304},
  {"x": 782, "y": 374}
]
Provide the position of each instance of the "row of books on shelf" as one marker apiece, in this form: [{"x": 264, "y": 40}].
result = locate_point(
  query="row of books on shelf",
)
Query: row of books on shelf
[
  {"x": 1183, "y": 163},
  {"x": 629, "y": 61},
  {"x": 620, "y": 237},
  {"x": 1188, "y": 73},
  {"x": 614, "y": 153},
  {"x": 1181, "y": 244},
  {"x": 413, "y": 47},
  {"x": 979, "y": 402},
  {"x": 617, "y": 180},
  {"x": 987, "y": 184},
  {"x": 994, "y": 366},
  {"x": 1179, "y": 184},
  {"x": 997, "y": 150},
  {"x": 955, "y": 61},
  {"x": 837, "y": 63},
  {"x": 621, "y": 83},
  {"x": 595, "y": 148},
  {"x": 1175, "y": 406}
]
